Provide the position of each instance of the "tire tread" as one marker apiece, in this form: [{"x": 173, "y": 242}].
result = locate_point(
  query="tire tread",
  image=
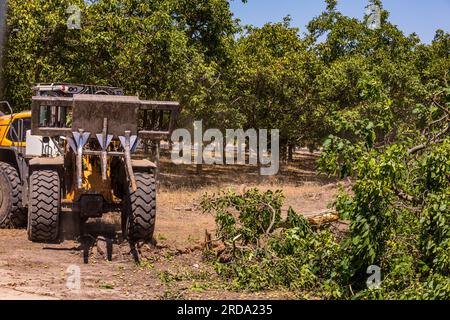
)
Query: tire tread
[
  {"x": 142, "y": 208},
  {"x": 43, "y": 209},
  {"x": 16, "y": 216}
]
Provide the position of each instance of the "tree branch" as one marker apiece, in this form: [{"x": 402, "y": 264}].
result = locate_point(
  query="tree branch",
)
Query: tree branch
[
  {"x": 431, "y": 142},
  {"x": 403, "y": 195}
]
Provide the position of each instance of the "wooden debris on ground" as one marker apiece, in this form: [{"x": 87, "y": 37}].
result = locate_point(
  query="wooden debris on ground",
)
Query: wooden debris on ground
[
  {"x": 317, "y": 218},
  {"x": 322, "y": 217}
]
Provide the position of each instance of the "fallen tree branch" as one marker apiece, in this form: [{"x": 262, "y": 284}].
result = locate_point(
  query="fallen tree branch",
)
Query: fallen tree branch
[
  {"x": 423, "y": 146},
  {"x": 272, "y": 222},
  {"x": 436, "y": 139},
  {"x": 322, "y": 217},
  {"x": 446, "y": 110},
  {"x": 404, "y": 196}
]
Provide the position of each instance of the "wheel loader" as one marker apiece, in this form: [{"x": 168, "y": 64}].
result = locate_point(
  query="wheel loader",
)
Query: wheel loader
[{"x": 80, "y": 152}]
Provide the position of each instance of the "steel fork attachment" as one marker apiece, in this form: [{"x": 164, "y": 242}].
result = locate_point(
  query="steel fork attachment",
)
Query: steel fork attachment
[
  {"x": 128, "y": 142},
  {"x": 77, "y": 143},
  {"x": 104, "y": 139}
]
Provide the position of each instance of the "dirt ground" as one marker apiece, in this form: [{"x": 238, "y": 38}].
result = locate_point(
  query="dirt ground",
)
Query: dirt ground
[{"x": 174, "y": 269}]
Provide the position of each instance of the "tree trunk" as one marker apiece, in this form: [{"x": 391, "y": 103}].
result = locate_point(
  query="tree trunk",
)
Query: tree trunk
[
  {"x": 290, "y": 153},
  {"x": 3, "y": 42},
  {"x": 258, "y": 159},
  {"x": 199, "y": 169}
]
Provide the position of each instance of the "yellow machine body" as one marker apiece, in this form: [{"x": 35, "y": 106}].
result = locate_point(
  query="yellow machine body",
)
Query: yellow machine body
[
  {"x": 92, "y": 181},
  {"x": 5, "y": 125}
]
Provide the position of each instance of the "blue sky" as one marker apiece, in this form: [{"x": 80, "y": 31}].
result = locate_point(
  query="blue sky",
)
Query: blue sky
[{"x": 420, "y": 16}]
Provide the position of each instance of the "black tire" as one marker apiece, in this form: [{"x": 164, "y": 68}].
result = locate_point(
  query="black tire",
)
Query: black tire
[
  {"x": 12, "y": 214},
  {"x": 44, "y": 206},
  {"x": 140, "y": 208}
]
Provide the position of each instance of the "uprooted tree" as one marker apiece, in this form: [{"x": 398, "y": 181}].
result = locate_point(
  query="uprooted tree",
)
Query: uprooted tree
[{"x": 398, "y": 213}]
